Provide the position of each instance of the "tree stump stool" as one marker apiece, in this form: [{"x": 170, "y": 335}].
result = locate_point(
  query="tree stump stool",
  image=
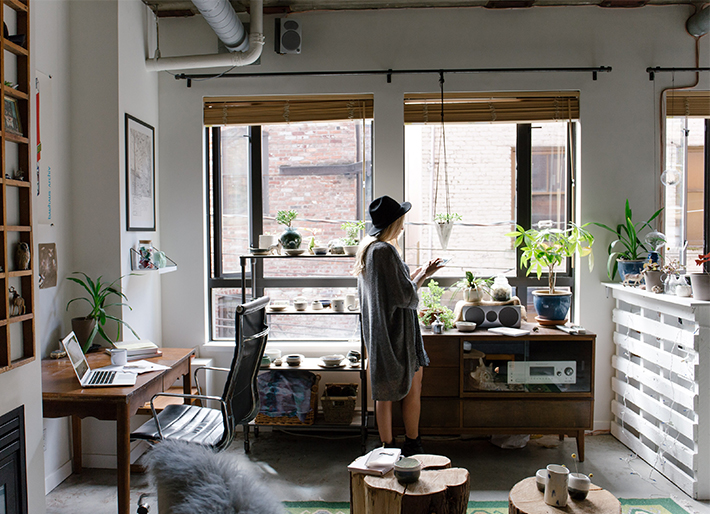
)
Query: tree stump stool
[
  {"x": 440, "y": 489},
  {"x": 525, "y": 498}
]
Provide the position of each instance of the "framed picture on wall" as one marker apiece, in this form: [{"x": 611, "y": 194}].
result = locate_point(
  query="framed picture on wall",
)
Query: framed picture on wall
[
  {"x": 12, "y": 116},
  {"x": 140, "y": 175}
]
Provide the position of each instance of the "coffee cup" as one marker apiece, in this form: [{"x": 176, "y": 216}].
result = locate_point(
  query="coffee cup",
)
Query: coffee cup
[
  {"x": 352, "y": 302},
  {"x": 119, "y": 357},
  {"x": 556, "y": 492},
  {"x": 267, "y": 241},
  {"x": 338, "y": 304}
]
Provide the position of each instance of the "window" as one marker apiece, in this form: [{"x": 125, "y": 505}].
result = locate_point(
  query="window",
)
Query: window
[
  {"x": 687, "y": 163},
  {"x": 500, "y": 173},
  {"x": 322, "y": 169}
]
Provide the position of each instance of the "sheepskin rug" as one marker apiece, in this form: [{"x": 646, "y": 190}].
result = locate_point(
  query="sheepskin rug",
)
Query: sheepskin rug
[{"x": 193, "y": 479}]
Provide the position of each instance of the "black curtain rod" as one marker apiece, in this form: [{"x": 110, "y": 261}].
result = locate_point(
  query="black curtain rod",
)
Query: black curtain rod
[
  {"x": 652, "y": 71},
  {"x": 389, "y": 73}
]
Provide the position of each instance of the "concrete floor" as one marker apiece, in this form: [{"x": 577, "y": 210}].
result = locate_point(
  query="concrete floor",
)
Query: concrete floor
[{"x": 307, "y": 466}]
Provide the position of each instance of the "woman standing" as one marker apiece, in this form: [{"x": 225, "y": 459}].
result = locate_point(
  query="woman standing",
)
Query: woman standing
[{"x": 388, "y": 302}]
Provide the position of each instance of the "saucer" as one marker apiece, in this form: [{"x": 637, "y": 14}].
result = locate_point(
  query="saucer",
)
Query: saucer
[
  {"x": 259, "y": 251},
  {"x": 336, "y": 366},
  {"x": 294, "y": 251},
  {"x": 549, "y": 322},
  {"x": 278, "y": 307}
]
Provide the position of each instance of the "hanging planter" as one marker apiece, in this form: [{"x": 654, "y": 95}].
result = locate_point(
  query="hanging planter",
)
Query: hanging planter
[{"x": 444, "y": 224}]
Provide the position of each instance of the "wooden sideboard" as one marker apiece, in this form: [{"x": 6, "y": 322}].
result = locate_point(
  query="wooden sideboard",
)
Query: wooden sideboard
[{"x": 466, "y": 387}]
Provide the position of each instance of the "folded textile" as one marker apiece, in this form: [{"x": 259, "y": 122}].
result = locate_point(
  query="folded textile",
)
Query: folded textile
[{"x": 286, "y": 393}]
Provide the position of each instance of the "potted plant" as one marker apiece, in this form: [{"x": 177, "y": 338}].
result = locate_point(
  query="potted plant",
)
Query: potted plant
[
  {"x": 653, "y": 275},
  {"x": 627, "y": 253},
  {"x": 472, "y": 286},
  {"x": 544, "y": 250},
  {"x": 432, "y": 308},
  {"x": 700, "y": 282},
  {"x": 290, "y": 239},
  {"x": 352, "y": 235},
  {"x": 444, "y": 224},
  {"x": 97, "y": 294}
]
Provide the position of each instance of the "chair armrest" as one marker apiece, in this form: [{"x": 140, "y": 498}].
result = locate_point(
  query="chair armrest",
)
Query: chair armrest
[
  {"x": 223, "y": 405},
  {"x": 212, "y": 368}
]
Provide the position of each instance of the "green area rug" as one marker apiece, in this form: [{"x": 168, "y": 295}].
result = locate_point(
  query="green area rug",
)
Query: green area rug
[{"x": 630, "y": 506}]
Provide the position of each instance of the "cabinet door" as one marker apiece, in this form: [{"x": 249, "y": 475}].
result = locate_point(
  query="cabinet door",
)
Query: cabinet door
[{"x": 532, "y": 414}]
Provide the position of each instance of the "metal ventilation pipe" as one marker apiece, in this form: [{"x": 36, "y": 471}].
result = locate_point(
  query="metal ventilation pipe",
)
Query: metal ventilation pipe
[
  {"x": 223, "y": 25},
  {"x": 699, "y": 23},
  {"x": 220, "y": 15}
]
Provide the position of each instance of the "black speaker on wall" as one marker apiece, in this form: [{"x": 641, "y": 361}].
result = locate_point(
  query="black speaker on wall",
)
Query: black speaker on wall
[
  {"x": 485, "y": 316},
  {"x": 287, "y": 36}
]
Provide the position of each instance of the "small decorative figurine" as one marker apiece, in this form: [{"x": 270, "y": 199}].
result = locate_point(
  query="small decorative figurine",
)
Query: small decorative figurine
[
  {"x": 17, "y": 303},
  {"x": 22, "y": 256}
]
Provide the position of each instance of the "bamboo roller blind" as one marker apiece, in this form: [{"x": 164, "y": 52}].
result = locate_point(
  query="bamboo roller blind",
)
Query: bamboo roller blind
[
  {"x": 489, "y": 107},
  {"x": 291, "y": 109},
  {"x": 688, "y": 103}
]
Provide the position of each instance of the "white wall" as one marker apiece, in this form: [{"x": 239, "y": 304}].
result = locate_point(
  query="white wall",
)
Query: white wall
[{"x": 618, "y": 147}]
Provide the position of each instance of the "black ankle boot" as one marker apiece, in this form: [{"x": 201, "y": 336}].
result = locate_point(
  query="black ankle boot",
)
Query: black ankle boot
[
  {"x": 412, "y": 446},
  {"x": 393, "y": 444}
]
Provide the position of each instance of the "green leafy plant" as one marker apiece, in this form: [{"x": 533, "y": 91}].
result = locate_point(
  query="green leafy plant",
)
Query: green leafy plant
[
  {"x": 97, "y": 294},
  {"x": 352, "y": 232},
  {"x": 547, "y": 248},
  {"x": 627, "y": 245},
  {"x": 432, "y": 307},
  {"x": 447, "y": 217},
  {"x": 286, "y": 217},
  {"x": 471, "y": 281}
]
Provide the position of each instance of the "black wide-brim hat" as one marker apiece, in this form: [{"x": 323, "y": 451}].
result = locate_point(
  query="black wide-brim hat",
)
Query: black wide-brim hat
[{"x": 384, "y": 211}]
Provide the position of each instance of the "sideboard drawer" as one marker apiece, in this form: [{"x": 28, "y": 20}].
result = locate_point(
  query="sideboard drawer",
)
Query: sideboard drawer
[
  {"x": 528, "y": 414},
  {"x": 440, "y": 382},
  {"x": 443, "y": 351}
]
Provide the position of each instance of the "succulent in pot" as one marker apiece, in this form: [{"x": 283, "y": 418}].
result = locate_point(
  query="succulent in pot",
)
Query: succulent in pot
[
  {"x": 97, "y": 295},
  {"x": 627, "y": 252},
  {"x": 473, "y": 287},
  {"x": 544, "y": 250},
  {"x": 290, "y": 239}
]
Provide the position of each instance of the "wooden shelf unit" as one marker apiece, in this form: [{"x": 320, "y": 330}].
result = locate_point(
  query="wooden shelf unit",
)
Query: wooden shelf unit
[{"x": 17, "y": 333}]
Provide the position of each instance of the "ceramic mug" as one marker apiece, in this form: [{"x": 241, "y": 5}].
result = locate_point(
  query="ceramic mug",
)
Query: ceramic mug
[
  {"x": 556, "y": 488},
  {"x": 119, "y": 357},
  {"x": 266, "y": 241},
  {"x": 352, "y": 302},
  {"x": 338, "y": 304}
]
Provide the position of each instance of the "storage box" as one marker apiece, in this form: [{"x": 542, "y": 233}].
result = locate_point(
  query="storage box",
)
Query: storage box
[
  {"x": 338, "y": 402},
  {"x": 263, "y": 419}
]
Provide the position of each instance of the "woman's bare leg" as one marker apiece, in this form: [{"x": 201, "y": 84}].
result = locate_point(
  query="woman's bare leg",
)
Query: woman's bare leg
[
  {"x": 383, "y": 411},
  {"x": 412, "y": 406}
]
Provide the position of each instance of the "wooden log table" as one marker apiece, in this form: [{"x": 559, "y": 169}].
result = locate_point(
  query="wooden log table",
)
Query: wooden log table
[
  {"x": 525, "y": 498},
  {"x": 440, "y": 489}
]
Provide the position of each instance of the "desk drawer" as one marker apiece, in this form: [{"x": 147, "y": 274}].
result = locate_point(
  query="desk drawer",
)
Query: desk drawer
[
  {"x": 527, "y": 414},
  {"x": 443, "y": 351}
]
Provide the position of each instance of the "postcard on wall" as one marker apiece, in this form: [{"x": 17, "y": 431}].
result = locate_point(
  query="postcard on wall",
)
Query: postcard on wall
[{"x": 47, "y": 265}]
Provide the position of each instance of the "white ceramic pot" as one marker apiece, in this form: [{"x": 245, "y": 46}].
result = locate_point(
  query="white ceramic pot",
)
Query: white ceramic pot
[
  {"x": 472, "y": 294},
  {"x": 556, "y": 493}
]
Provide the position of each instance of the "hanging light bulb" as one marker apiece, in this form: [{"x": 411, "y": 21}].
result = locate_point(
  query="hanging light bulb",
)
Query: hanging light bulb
[
  {"x": 670, "y": 177},
  {"x": 655, "y": 240}
]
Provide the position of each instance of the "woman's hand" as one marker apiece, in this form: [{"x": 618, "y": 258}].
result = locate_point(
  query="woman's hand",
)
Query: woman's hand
[{"x": 423, "y": 272}]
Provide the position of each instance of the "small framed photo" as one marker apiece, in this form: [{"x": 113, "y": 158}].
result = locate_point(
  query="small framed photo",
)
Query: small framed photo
[
  {"x": 12, "y": 116},
  {"x": 140, "y": 175}
]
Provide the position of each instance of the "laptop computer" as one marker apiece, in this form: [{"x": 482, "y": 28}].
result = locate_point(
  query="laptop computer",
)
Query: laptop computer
[{"x": 93, "y": 378}]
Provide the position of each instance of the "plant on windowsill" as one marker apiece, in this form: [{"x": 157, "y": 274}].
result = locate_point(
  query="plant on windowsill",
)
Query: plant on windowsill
[
  {"x": 546, "y": 249},
  {"x": 97, "y": 294},
  {"x": 352, "y": 235},
  {"x": 432, "y": 307},
  {"x": 653, "y": 276},
  {"x": 627, "y": 252},
  {"x": 700, "y": 281},
  {"x": 290, "y": 239},
  {"x": 472, "y": 286},
  {"x": 444, "y": 224}
]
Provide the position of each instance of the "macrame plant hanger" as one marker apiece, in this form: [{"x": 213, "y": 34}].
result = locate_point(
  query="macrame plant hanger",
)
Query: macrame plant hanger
[{"x": 443, "y": 227}]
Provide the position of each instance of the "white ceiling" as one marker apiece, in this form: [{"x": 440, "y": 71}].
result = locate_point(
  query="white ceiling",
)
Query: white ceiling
[{"x": 171, "y": 8}]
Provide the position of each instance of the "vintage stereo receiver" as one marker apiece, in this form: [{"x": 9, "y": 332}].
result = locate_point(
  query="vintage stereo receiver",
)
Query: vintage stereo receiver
[
  {"x": 542, "y": 372},
  {"x": 485, "y": 316}
]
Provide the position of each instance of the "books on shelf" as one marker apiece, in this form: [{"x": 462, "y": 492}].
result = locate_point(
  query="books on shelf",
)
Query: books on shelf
[
  {"x": 141, "y": 349},
  {"x": 378, "y": 462}
]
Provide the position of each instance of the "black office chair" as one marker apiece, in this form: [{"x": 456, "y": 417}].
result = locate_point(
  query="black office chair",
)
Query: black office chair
[{"x": 239, "y": 403}]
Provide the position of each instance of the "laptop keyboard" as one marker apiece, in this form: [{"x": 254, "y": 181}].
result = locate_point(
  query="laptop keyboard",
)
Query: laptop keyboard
[{"x": 102, "y": 377}]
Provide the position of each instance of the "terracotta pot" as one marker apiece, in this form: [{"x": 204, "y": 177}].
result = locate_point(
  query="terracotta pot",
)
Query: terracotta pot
[
  {"x": 82, "y": 328},
  {"x": 701, "y": 286}
]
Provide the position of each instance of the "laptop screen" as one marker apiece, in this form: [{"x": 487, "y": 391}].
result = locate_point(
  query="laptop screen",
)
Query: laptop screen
[{"x": 76, "y": 356}]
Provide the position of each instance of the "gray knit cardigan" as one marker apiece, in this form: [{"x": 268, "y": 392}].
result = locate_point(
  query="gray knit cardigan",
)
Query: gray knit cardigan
[{"x": 388, "y": 301}]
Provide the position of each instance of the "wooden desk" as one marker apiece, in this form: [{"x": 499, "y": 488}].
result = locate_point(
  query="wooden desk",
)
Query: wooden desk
[{"x": 63, "y": 396}]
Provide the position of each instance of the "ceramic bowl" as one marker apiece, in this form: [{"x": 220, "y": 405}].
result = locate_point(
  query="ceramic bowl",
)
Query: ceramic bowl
[
  {"x": 350, "y": 250},
  {"x": 332, "y": 360},
  {"x": 293, "y": 359},
  {"x": 407, "y": 470},
  {"x": 578, "y": 486},
  {"x": 272, "y": 354},
  {"x": 294, "y": 251},
  {"x": 541, "y": 479},
  {"x": 465, "y": 326},
  {"x": 278, "y": 305},
  {"x": 300, "y": 305},
  {"x": 316, "y": 305},
  {"x": 265, "y": 361},
  {"x": 320, "y": 250}
]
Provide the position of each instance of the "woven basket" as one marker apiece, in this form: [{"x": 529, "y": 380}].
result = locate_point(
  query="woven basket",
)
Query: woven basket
[
  {"x": 263, "y": 419},
  {"x": 338, "y": 410}
]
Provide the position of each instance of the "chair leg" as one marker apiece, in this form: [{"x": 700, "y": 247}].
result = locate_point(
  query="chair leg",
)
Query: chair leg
[{"x": 246, "y": 437}]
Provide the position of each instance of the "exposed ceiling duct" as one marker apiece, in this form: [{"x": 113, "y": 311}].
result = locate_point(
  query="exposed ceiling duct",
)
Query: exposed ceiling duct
[
  {"x": 220, "y": 15},
  {"x": 699, "y": 23}
]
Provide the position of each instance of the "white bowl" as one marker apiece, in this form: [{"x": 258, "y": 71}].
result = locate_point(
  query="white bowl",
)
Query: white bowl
[
  {"x": 578, "y": 486},
  {"x": 465, "y": 326},
  {"x": 293, "y": 359},
  {"x": 541, "y": 479},
  {"x": 300, "y": 305},
  {"x": 320, "y": 250},
  {"x": 332, "y": 360},
  {"x": 350, "y": 250},
  {"x": 272, "y": 354}
]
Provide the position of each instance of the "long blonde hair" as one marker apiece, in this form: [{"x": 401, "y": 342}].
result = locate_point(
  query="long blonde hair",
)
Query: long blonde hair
[{"x": 388, "y": 235}]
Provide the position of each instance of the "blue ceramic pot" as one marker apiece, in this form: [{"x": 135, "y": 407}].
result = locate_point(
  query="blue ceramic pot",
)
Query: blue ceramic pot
[
  {"x": 290, "y": 239},
  {"x": 552, "y": 307},
  {"x": 629, "y": 267}
]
